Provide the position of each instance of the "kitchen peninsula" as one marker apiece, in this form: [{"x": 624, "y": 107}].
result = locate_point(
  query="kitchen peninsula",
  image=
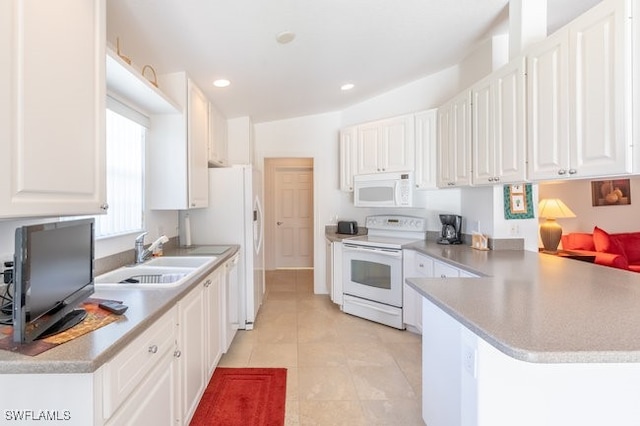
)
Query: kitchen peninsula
[{"x": 537, "y": 340}]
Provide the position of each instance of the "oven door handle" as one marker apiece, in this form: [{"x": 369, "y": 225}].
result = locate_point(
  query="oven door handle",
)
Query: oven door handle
[{"x": 377, "y": 250}]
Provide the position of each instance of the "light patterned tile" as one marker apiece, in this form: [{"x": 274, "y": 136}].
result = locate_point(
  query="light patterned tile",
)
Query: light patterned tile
[
  {"x": 325, "y": 384},
  {"x": 331, "y": 413},
  {"x": 274, "y": 355},
  {"x": 381, "y": 383}
]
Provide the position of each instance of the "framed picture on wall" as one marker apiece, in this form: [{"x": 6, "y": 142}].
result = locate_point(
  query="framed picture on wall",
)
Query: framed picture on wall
[
  {"x": 614, "y": 192},
  {"x": 518, "y": 202}
]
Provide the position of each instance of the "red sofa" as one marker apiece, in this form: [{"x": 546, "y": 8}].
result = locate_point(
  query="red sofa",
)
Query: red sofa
[{"x": 616, "y": 250}]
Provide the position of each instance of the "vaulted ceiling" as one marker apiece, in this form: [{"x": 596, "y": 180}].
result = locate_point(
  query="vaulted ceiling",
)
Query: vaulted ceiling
[{"x": 375, "y": 44}]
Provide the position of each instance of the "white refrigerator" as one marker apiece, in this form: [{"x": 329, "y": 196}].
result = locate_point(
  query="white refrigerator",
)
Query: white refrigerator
[{"x": 235, "y": 216}]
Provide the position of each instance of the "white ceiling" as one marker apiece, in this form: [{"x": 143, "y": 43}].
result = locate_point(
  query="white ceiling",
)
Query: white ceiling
[{"x": 375, "y": 44}]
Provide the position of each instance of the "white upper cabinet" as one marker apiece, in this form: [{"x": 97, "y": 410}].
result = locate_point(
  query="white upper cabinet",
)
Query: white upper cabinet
[
  {"x": 348, "y": 158},
  {"x": 426, "y": 152},
  {"x": 52, "y": 107},
  {"x": 386, "y": 145},
  {"x": 579, "y": 97},
  {"x": 454, "y": 142},
  {"x": 218, "y": 138},
  {"x": 498, "y": 132},
  {"x": 178, "y": 149}
]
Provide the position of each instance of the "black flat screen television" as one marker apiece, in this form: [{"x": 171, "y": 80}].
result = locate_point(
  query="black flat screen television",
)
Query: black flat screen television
[{"x": 53, "y": 276}]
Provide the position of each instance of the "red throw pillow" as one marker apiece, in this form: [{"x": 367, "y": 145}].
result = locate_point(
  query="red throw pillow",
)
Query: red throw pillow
[
  {"x": 578, "y": 241},
  {"x": 606, "y": 243},
  {"x": 631, "y": 244}
]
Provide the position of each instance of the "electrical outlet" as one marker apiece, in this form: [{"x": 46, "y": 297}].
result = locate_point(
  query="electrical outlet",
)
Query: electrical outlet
[
  {"x": 469, "y": 359},
  {"x": 514, "y": 230}
]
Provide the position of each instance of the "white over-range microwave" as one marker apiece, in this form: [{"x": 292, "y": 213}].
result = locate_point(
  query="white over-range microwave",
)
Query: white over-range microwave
[{"x": 390, "y": 189}]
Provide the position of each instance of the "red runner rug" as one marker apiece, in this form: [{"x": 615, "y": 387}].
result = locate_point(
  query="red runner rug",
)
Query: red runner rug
[{"x": 243, "y": 397}]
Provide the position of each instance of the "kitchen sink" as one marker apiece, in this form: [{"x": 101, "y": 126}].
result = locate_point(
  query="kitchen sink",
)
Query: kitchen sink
[
  {"x": 180, "y": 261},
  {"x": 165, "y": 271},
  {"x": 145, "y": 276}
]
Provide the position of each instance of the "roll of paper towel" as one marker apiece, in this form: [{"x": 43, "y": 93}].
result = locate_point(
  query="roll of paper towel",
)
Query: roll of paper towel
[{"x": 187, "y": 231}]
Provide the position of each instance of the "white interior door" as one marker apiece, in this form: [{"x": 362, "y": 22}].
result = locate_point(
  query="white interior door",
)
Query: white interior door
[{"x": 294, "y": 217}]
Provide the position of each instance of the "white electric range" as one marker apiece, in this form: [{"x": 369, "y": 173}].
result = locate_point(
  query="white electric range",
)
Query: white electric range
[{"x": 372, "y": 267}]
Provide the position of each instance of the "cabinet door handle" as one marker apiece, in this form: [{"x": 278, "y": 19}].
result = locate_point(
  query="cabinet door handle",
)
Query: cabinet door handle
[
  {"x": 279, "y": 223},
  {"x": 104, "y": 206},
  {"x": 572, "y": 171},
  {"x": 153, "y": 349},
  {"x": 562, "y": 172},
  {"x": 177, "y": 353},
  {"x": 207, "y": 283},
  {"x": 443, "y": 276}
]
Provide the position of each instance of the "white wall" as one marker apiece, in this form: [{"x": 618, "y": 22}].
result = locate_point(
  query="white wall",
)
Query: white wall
[{"x": 308, "y": 137}]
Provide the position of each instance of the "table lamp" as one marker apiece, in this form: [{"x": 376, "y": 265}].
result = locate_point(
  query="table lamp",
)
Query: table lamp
[{"x": 550, "y": 231}]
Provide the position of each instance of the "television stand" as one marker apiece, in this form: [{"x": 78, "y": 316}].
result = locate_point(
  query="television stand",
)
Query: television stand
[{"x": 66, "y": 322}]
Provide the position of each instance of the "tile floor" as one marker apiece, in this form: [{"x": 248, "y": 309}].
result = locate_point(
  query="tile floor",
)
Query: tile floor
[{"x": 341, "y": 370}]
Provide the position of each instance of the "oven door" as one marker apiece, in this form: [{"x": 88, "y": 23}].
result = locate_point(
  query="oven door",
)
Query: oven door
[{"x": 373, "y": 273}]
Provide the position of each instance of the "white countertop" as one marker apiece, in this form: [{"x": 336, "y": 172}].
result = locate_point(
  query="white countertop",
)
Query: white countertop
[{"x": 537, "y": 307}]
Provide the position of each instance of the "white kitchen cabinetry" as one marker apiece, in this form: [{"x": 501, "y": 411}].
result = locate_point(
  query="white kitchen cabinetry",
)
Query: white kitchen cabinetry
[
  {"x": 454, "y": 142},
  {"x": 498, "y": 132},
  {"x": 579, "y": 97},
  {"x": 178, "y": 149},
  {"x": 414, "y": 265},
  {"x": 334, "y": 271},
  {"x": 213, "y": 308},
  {"x": 191, "y": 339},
  {"x": 348, "y": 158},
  {"x": 418, "y": 265},
  {"x": 218, "y": 138},
  {"x": 52, "y": 100},
  {"x": 140, "y": 383},
  {"x": 386, "y": 145},
  {"x": 426, "y": 140}
]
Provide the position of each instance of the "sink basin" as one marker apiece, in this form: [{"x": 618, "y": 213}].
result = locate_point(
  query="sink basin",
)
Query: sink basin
[
  {"x": 165, "y": 271},
  {"x": 147, "y": 276},
  {"x": 181, "y": 261}
]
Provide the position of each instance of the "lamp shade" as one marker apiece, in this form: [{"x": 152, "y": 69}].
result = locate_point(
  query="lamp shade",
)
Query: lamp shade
[
  {"x": 550, "y": 230},
  {"x": 554, "y": 208}
]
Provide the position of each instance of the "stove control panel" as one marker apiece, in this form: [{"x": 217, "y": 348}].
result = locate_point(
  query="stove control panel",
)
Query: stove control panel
[{"x": 397, "y": 223}]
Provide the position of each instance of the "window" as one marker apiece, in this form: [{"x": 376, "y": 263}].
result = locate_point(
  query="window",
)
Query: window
[{"x": 125, "y": 131}]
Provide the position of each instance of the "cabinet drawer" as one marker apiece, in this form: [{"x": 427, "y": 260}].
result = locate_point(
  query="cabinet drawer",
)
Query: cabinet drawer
[
  {"x": 125, "y": 371},
  {"x": 423, "y": 265}
]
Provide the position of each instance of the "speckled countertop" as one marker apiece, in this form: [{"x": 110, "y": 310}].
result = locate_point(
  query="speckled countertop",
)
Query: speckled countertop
[
  {"x": 88, "y": 352},
  {"x": 537, "y": 307}
]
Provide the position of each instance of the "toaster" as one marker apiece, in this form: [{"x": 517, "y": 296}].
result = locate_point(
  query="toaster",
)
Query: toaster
[{"x": 348, "y": 227}]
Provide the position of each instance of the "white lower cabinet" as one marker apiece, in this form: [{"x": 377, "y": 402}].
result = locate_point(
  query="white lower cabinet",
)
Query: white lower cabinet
[
  {"x": 214, "y": 303},
  {"x": 130, "y": 375},
  {"x": 334, "y": 271},
  {"x": 414, "y": 265},
  {"x": 418, "y": 265},
  {"x": 191, "y": 324},
  {"x": 155, "y": 400},
  {"x": 161, "y": 376}
]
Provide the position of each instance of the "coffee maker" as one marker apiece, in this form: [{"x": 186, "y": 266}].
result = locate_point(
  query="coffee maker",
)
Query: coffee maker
[{"x": 451, "y": 229}]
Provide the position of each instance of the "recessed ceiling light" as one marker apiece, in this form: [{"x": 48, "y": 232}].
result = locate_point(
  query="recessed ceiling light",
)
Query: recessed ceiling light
[
  {"x": 347, "y": 86},
  {"x": 221, "y": 83},
  {"x": 285, "y": 37}
]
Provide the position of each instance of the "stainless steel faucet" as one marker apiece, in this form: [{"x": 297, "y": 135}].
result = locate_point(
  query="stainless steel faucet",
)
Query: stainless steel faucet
[
  {"x": 141, "y": 253},
  {"x": 139, "y": 248}
]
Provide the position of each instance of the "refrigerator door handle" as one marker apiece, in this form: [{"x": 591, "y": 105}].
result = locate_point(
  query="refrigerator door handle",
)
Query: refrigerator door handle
[{"x": 257, "y": 226}]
